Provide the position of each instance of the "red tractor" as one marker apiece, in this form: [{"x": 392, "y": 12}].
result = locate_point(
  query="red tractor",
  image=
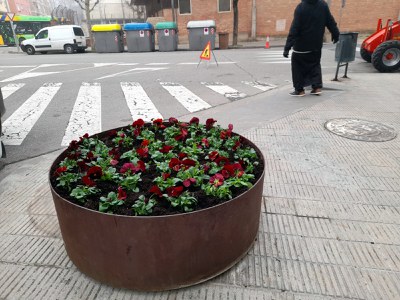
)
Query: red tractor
[{"x": 383, "y": 47}]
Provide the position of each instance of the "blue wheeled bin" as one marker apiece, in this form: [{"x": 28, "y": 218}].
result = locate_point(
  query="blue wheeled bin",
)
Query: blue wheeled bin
[{"x": 139, "y": 37}]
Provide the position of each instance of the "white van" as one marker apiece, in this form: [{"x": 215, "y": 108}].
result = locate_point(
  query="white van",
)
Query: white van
[{"x": 67, "y": 38}]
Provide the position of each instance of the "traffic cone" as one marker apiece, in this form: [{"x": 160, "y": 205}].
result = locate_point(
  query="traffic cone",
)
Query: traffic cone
[{"x": 267, "y": 42}]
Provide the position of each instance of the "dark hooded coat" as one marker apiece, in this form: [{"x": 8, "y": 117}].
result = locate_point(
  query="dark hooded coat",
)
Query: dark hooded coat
[{"x": 308, "y": 26}]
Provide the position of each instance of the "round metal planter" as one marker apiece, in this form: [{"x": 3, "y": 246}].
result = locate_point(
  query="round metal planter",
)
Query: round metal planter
[{"x": 156, "y": 253}]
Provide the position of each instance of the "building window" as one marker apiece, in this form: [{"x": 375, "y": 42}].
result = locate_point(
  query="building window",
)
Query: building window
[
  {"x": 224, "y": 5},
  {"x": 185, "y": 7}
]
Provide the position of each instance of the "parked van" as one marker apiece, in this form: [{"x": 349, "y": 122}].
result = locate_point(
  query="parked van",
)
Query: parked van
[{"x": 67, "y": 38}]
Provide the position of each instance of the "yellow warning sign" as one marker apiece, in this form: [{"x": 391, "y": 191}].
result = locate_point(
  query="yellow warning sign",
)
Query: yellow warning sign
[{"x": 206, "y": 52}]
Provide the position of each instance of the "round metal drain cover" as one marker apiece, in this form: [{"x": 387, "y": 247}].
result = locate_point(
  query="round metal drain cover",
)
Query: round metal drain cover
[{"x": 361, "y": 130}]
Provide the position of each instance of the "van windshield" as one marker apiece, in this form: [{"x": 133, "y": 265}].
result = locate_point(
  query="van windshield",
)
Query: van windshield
[{"x": 78, "y": 31}]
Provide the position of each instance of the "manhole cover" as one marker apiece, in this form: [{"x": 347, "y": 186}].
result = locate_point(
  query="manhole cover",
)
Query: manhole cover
[{"x": 361, "y": 130}]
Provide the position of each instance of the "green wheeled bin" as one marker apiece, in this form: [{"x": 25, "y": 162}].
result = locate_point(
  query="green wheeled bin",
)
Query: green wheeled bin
[
  {"x": 200, "y": 33},
  {"x": 139, "y": 37},
  {"x": 108, "y": 38},
  {"x": 167, "y": 33}
]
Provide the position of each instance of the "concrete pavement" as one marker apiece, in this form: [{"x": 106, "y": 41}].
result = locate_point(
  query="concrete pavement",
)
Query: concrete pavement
[{"x": 330, "y": 222}]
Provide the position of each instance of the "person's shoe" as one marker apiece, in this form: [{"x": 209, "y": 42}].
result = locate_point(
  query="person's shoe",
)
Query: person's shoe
[
  {"x": 296, "y": 93},
  {"x": 316, "y": 92}
]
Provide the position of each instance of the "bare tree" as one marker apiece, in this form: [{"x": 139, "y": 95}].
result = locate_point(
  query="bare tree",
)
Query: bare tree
[
  {"x": 88, "y": 8},
  {"x": 235, "y": 22}
]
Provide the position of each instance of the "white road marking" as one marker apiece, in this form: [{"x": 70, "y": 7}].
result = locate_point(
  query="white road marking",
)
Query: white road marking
[
  {"x": 157, "y": 64},
  {"x": 260, "y": 85},
  {"x": 188, "y": 63},
  {"x": 18, "y": 125},
  {"x": 10, "y": 88},
  {"x": 18, "y": 67},
  {"x": 96, "y": 65},
  {"x": 189, "y": 100},
  {"x": 128, "y": 64},
  {"x": 138, "y": 102},
  {"x": 51, "y": 65},
  {"x": 224, "y": 90},
  {"x": 27, "y": 75},
  {"x": 86, "y": 114},
  {"x": 136, "y": 71}
]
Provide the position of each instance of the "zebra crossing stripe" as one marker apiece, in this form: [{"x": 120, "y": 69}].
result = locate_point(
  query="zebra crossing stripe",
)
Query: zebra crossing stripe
[
  {"x": 86, "y": 114},
  {"x": 138, "y": 102},
  {"x": 225, "y": 90},
  {"x": 189, "y": 100},
  {"x": 10, "y": 89},
  {"x": 18, "y": 125},
  {"x": 260, "y": 85}
]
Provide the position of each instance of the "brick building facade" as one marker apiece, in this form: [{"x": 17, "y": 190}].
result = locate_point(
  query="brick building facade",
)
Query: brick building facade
[{"x": 274, "y": 17}]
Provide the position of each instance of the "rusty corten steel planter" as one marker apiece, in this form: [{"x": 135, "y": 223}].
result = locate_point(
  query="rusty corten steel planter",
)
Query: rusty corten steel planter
[{"x": 155, "y": 253}]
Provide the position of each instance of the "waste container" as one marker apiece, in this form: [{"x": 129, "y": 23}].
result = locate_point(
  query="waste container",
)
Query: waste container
[
  {"x": 167, "y": 36},
  {"x": 108, "y": 38},
  {"x": 200, "y": 33},
  {"x": 346, "y": 47},
  {"x": 223, "y": 38},
  {"x": 139, "y": 37}
]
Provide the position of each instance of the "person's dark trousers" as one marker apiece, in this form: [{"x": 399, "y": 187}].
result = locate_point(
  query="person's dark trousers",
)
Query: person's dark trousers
[{"x": 306, "y": 70}]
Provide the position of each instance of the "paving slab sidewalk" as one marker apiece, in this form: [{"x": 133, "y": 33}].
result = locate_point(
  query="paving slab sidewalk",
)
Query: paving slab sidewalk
[{"x": 330, "y": 222}]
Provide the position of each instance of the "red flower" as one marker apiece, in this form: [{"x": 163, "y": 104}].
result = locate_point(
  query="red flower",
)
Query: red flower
[
  {"x": 122, "y": 135},
  {"x": 233, "y": 169},
  {"x": 175, "y": 164},
  {"x": 189, "y": 181},
  {"x": 182, "y": 155},
  {"x": 121, "y": 194},
  {"x": 210, "y": 122},
  {"x": 114, "y": 162},
  {"x": 165, "y": 176},
  {"x": 173, "y": 120},
  {"x": 217, "y": 180},
  {"x": 166, "y": 149},
  {"x": 237, "y": 145},
  {"x": 205, "y": 142},
  {"x": 221, "y": 159},
  {"x": 94, "y": 172},
  {"x": 182, "y": 136},
  {"x": 143, "y": 152},
  {"x": 82, "y": 165},
  {"x": 83, "y": 137},
  {"x": 59, "y": 171},
  {"x": 131, "y": 167},
  {"x": 213, "y": 155},
  {"x": 136, "y": 132},
  {"x": 112, "y": 133},
  {"x": 87, "y": 181},
  {"x": 138, "y": 123},
  {"x": 174, "y": 191},
  {"x": 73, "y": 145},
  {"x": 158, "y": 122},
  {"x": 145, "y": 143},
  {"x": 188, "y": 162},
  {"x": 194, "y": 120},
  {"x": 155, "y": 190}
]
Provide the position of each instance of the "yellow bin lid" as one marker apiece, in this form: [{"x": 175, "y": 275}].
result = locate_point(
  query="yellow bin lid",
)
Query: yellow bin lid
[{"x": 107, "y": 27}]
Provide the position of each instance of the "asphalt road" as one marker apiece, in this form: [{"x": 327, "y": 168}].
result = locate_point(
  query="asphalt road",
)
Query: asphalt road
[{"x": 53, "y": 98}]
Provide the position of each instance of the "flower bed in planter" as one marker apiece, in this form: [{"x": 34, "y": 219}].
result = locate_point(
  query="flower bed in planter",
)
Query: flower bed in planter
[{"x": 161, "y": 205}]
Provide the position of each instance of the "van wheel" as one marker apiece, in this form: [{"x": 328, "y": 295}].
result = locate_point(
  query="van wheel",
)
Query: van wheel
[
  {"x": 30, "y": 50},
  {"x": 43, "y": 52},
  {"x": 68, "y": 49}
]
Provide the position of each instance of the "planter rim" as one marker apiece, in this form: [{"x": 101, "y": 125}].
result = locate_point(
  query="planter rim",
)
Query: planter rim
[{"x": 162, "y": 216}]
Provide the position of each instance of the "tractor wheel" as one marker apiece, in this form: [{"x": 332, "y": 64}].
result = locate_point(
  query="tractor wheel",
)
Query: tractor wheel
[
  {"x": 365, "y": 55},
  {"x": 386, "y": 57}
]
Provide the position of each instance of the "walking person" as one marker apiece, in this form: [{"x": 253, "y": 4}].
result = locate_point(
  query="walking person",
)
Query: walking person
[{"x": 306, "y": 37}]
